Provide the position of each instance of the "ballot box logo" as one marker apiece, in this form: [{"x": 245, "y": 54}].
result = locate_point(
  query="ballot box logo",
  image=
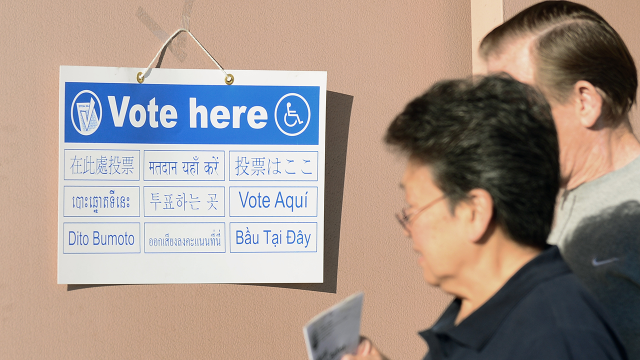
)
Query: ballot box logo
[
  {"x": 292, "y": 114},
  {"x": 86, "y": 112}
]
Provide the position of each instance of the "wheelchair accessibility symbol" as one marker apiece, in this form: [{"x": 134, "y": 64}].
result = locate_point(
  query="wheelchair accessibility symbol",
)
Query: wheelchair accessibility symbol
[
  {"x": 293, "y": 117},
  {"x": 290, "y": 114}
]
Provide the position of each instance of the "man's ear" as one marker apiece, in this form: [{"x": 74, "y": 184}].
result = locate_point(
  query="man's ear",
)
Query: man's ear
[
  {"x": 588, "y": 102},
  {"x": 480, "y": 213}
]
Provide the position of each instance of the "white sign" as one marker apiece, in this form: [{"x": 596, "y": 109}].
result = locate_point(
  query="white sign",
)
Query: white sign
[{"x": 184, "y": 179}]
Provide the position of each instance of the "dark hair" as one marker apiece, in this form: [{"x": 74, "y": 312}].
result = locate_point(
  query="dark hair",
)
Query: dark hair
[
  {"x": 491, "y": 133},
  {"x": 572, "y": 43}
]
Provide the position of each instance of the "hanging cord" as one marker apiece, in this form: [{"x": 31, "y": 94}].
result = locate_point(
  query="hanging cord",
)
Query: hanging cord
[{"x": 228, "y": 78}]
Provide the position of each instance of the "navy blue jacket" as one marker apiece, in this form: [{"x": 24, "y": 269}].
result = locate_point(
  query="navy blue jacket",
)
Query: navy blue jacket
[{"x": 542, "y": 312}]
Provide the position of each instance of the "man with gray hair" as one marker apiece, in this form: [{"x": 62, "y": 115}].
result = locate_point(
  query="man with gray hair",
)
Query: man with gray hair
[{"x": 587, "y": 74}]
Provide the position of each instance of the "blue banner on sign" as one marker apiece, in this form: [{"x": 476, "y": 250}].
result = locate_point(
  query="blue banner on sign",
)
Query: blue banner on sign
[{"x": 191, "y": 114}]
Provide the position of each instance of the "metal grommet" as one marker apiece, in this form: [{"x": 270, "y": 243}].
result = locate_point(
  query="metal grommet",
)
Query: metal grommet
[
  {"x": 140, "y": 78},
  {"x": 228, "y": 79}
]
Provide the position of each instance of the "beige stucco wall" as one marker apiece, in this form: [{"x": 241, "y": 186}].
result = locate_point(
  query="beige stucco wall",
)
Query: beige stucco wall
[{"x": 379, "y": 54}]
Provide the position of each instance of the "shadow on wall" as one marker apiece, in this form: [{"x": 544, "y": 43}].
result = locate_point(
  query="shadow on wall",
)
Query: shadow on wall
[
  {"x": 338, "y": 118},
  {"x": 337, "y": 136}
]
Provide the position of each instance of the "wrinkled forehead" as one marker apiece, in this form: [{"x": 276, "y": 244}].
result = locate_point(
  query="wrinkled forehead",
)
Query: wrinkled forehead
[{"x": 513, "y": 56}]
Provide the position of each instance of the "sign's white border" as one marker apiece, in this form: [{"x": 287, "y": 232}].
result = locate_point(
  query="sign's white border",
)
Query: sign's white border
[{"x": 215, "y": 267}]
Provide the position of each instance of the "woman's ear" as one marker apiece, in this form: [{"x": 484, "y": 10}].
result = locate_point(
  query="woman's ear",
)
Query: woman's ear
[{"x": 479, "y": 214}]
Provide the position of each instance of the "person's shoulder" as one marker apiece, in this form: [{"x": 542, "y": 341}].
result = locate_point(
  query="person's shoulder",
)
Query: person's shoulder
[
  {"x": 604, "y": 191},
  {"x": 568, "y": 302},
  {"x": 564, "y": 316},
  {"x": 578, "y": 344}
]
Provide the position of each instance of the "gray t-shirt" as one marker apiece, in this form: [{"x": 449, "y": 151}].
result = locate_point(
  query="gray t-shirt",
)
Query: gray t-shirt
[{"x": 598, "y": 232}]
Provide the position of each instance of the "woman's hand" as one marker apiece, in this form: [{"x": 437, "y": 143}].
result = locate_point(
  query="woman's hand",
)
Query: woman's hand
[{"x": 366, "y": 351}]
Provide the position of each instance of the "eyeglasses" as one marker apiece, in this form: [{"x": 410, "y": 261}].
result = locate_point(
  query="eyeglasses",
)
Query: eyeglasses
[{"x": 405, "y": 219}]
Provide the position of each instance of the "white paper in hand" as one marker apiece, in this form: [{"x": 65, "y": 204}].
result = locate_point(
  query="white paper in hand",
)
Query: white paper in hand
[{"x": 335, "y": 331}]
